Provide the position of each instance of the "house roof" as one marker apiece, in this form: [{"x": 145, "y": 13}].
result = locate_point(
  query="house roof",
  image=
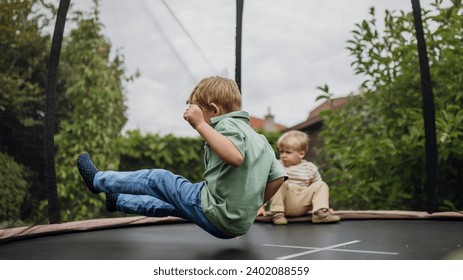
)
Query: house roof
[
  {"x": 258, "y": 123},
  {"x": 314, "y": 115}
]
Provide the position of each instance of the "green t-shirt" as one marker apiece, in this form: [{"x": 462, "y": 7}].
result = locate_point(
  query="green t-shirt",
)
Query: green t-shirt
[{"x": 232, "y": 196}]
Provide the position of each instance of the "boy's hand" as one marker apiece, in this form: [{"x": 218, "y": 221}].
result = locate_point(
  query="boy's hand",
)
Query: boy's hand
[{"x": 193, "y": 115}]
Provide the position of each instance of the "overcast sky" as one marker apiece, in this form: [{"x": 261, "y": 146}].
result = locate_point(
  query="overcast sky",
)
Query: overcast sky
[{"x": 290, "y": 47}]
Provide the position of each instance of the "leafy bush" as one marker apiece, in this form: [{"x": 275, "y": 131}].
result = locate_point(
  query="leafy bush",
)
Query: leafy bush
[
  {"x": 93, "y": 117},
  {"x": 14, "y": 185},
  {"x": 24, "y": 45},
  {"x": 374, "y": 154},
  {"x": 182, "y": 156}
]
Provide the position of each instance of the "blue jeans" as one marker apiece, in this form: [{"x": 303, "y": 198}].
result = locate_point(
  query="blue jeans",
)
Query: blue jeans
[{"x": 156, "y": 193}]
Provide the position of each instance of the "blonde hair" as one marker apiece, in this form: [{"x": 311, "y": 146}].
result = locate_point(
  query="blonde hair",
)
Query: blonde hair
[
  {"x": 294, "y": 139},
  {"x": 223, "y": 92},
  {"x": 218, "y": 90}
]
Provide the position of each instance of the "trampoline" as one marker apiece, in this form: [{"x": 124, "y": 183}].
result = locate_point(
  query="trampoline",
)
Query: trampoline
[{"x": 361, "y": 235}]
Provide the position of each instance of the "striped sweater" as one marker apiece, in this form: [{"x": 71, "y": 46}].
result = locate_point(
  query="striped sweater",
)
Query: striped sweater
[{"x": 303, "y": 174}]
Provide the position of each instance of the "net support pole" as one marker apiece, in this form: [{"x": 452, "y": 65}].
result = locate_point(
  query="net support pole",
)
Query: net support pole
[
  {"x": 428, "y": 112},
  {"x": 49, "y": 143},
  {"x": 239, "y": 29}
]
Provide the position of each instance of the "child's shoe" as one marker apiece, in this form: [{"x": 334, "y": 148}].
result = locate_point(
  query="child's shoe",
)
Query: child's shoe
[
  {"x": 87, "y": 170},
  {"x": 111, "y": 200},
  {"x": 279, "y": 219},
  {"x": 324, "y": 216}
]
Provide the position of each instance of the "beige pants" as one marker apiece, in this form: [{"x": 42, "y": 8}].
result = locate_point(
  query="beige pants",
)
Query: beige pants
[{"x": 295, "y": 200}]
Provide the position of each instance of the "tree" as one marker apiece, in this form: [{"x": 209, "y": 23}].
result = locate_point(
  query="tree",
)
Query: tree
[
  {"x": 90, "y": 110},
  {"x": 24, "y": 51},
  {"x": 374, "y": 146},
  {"x": 94, "y": 113}
]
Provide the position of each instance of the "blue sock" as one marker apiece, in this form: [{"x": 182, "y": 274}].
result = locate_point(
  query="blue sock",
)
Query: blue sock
[
  {"x": 111, "y": 200},
  {"x": 87, "y": 170}
]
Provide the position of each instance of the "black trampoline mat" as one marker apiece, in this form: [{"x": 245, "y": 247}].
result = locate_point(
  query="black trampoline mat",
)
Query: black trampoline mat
[{"x": 347, "y": 240}]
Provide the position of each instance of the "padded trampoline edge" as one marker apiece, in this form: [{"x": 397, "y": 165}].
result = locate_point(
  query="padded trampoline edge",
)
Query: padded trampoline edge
[{"x": 12, "y": 234}]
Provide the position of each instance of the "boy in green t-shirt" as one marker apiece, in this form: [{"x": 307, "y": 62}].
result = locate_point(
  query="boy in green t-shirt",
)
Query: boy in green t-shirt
[{"x": 241, "y": 170}]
